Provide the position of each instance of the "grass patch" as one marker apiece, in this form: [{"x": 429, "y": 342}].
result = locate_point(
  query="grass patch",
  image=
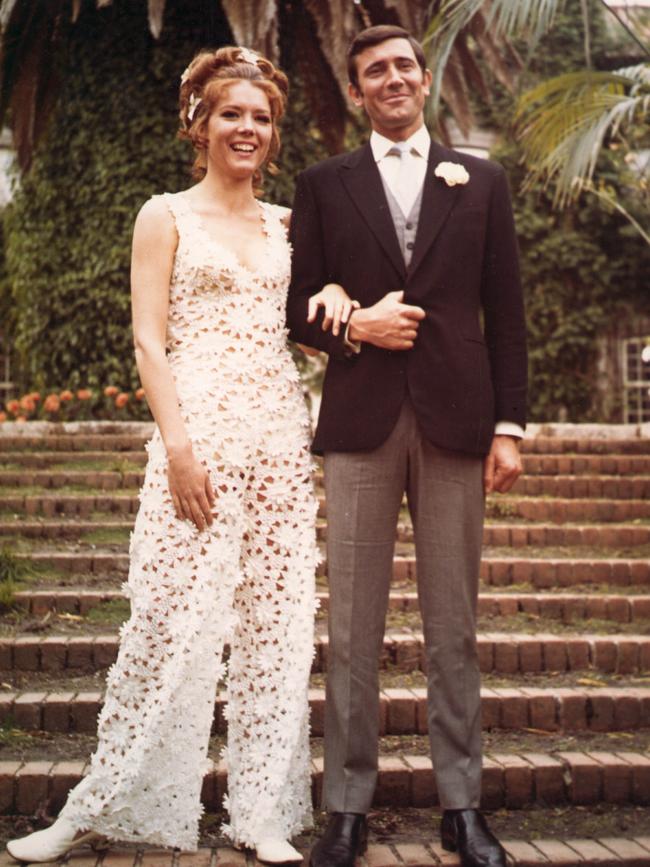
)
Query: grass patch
[
  {"x": 107, "y": 536},
  {"x": 12, "y": 737},
  {"x": 113, "y": 613}
]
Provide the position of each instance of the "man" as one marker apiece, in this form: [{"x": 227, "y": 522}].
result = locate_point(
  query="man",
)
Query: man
[{"x": 417, "y": 397}]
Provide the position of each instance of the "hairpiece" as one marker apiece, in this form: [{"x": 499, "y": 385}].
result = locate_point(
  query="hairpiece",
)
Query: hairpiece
[
  {"x": 194, "y": 103},
  {"x": 185, "y": 75}
]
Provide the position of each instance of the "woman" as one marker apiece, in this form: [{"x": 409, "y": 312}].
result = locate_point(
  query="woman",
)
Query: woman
[{"x": 224, "y": 545}]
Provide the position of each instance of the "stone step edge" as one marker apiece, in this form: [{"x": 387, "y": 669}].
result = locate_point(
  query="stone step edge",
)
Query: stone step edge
[
  {"x": 566, "y": 607},
  {"x": 610, "y": 851},
  {"x": 502, "y": 653},
  {"x": 542, "y": 572},
  {"x": 509, "y": 780},
  {"x": 570, "y": 485},
  {"x": 576, "y": 852},
  {"x": 402, "y": 711},
  {"x": 533, "y": 464},
  {"x": 554, "y": 509},
  {"x": 495, "y": 534}
]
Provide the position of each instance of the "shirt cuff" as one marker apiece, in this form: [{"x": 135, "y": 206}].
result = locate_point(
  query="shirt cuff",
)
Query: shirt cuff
[
  {"x": 509, "y": 429},
  {"x": 353, "y": 347}
]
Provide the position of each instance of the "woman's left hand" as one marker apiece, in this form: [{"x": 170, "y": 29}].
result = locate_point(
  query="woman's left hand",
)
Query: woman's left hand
[{"x": 337, "y": 304}]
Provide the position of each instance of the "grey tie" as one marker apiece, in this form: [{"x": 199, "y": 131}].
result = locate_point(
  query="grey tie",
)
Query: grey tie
[{"x": 404, "y": 189}]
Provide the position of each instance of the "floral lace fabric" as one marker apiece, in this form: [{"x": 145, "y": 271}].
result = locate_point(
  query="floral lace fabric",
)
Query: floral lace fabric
[{"x": 246, "y": 582}]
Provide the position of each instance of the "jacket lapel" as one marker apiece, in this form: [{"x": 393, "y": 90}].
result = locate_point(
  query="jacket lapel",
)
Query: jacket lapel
[
  {"x": 437, "y": 201},
  {"x": 361, "y": 178}
]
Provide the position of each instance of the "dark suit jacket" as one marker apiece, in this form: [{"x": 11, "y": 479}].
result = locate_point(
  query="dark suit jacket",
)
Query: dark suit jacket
[{"x": 461, "y": 376}]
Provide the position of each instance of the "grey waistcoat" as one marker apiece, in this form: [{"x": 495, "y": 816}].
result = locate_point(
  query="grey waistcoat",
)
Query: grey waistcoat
[{"x": 406, "y": 227}]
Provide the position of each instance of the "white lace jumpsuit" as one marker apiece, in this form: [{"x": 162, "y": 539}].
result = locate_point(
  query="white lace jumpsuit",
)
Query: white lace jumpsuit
[{"x": 247, "y": 580}]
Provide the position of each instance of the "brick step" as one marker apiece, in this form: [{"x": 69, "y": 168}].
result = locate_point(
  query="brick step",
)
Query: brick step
[
  {"x": 402, "y": 711},
  {"x": 614, "y": 487},
  {"x": 533, "y": 464},
  {"x": 585, "y": 445},
  {"x": 568, "y": 486},
  {"x": 494, "y": 535},
  {"x": 44, "y": 460},
  {"x": 103, "y": 480},
  {"x": 562, "y": 510},
  {"x": 546, "y": 509},
  {"x": 566, "y": 607},
  {"x": 502, "y": 653},
  {"x": 511, "y": 780},
  {"x": 551, "y": 852},
  {"x": 496, "y": 571},
  {"x": 78, "y": 441},
  {"x": 131, "y": 436},
  {"x": 77, "y": 505},
  {"x": 397, "y": 852},
  {"x": 67, "y": 529}
]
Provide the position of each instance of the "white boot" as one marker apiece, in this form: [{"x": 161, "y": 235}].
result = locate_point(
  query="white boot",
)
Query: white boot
[
  {"x": 275, "y": 850},
  {"x": 50, "y": 844}
]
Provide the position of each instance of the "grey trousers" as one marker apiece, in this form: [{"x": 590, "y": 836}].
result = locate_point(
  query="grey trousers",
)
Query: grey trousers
[{"x": 445, "y": 497}]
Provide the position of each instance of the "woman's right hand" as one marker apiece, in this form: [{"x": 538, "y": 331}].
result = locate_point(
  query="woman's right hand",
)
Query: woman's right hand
[{"x": 190, "y": 487}]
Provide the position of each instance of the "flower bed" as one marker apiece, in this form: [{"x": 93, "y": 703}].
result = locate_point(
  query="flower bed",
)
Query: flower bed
[{"x": 85, "y": 404}]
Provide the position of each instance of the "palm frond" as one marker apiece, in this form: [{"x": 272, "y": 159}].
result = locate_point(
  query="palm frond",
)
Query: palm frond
[
  {"x": 156, "y": 11},
  {"x": 254, "y": 24},
  {"x": 564, "y": 122},
  {"x": 455, "y": 20}
]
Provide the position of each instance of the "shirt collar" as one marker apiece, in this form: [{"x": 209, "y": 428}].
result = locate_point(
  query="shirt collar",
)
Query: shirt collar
[{"x": 420, "y": 141}]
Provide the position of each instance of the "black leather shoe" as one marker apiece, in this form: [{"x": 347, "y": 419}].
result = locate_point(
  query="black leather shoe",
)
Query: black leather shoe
[
  {"x": 466, "y": 832},
  {"x": 345, "y": 837}
]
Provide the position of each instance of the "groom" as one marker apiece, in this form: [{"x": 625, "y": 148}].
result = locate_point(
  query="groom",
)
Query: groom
[{"x": 425, "y": 394}]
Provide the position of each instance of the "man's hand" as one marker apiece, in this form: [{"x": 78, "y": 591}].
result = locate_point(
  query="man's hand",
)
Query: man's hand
[
  {"x": 389, "y": 324},
  {"x": 502, "y": 466}
]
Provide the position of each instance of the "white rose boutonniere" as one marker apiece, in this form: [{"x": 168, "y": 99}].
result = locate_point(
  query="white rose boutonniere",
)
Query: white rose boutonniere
[{"x": 452, "y": 173}]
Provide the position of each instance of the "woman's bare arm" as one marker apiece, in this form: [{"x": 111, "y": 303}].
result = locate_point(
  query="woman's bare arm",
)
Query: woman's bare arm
[{"x": 154, "y": 246}]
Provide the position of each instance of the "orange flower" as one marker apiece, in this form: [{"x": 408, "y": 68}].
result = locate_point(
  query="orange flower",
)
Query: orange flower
[
  {"x": 13, "y": 406},
  {"x": 3, "y": 417},
  {"x": 139, "y": 394},
  {"x": 52, "y": 403},
  {"x": 111, "y": 390},
  {"x": 27, "y": 404},
  {"x": 66, "y": 395},
  {"x": 35, "y": 396},
  {"x": 84, "y": 394},
  {"x": 122, "y": 399}
]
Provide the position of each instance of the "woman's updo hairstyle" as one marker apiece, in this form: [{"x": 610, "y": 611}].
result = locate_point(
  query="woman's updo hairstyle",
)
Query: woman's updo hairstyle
[{"x": 202, "y": 84}]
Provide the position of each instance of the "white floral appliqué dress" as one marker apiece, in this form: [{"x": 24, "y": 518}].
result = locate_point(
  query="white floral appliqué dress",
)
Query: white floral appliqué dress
[{"x": 248, "y": 580}]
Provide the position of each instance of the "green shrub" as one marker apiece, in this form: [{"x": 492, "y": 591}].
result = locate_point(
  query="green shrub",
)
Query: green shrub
[{"x": 111, "y": 143}]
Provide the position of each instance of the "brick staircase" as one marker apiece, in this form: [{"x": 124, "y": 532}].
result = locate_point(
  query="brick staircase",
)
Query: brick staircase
[{"x": 564, "y": 644}]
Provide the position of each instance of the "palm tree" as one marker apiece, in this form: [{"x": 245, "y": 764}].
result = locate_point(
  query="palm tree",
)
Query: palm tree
[
  {"x": 31, "y": 31},
  {"x": 564, "y": 122}
]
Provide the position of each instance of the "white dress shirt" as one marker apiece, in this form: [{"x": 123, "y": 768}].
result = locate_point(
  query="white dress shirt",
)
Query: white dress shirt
[
  {"x": 404, "y": 177},
  {"x": 416, "y": 153}
]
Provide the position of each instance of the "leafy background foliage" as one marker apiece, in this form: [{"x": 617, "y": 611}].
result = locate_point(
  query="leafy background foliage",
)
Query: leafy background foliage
[
  {"x": 110, "y": 144},
  {"x": 583, "y": 268}
]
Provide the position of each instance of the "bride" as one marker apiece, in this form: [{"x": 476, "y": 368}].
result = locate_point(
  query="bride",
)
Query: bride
[{"x": 223, "y": 550}]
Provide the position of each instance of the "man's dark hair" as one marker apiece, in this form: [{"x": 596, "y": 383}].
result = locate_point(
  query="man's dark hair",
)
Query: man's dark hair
[{"x": 375, "y": 36}]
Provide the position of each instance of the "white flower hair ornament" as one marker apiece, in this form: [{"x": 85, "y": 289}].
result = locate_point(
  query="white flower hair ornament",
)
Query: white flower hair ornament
[
  {"x": 452, "y": 173},
  {"x": 248, "y": 56},
  {"x": 185, "y": 75},
  {"x": 194, "y": 103}
]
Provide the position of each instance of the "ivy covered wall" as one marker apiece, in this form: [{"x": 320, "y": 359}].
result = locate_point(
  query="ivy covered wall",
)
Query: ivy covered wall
[{"x": 111, "y": 144}]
